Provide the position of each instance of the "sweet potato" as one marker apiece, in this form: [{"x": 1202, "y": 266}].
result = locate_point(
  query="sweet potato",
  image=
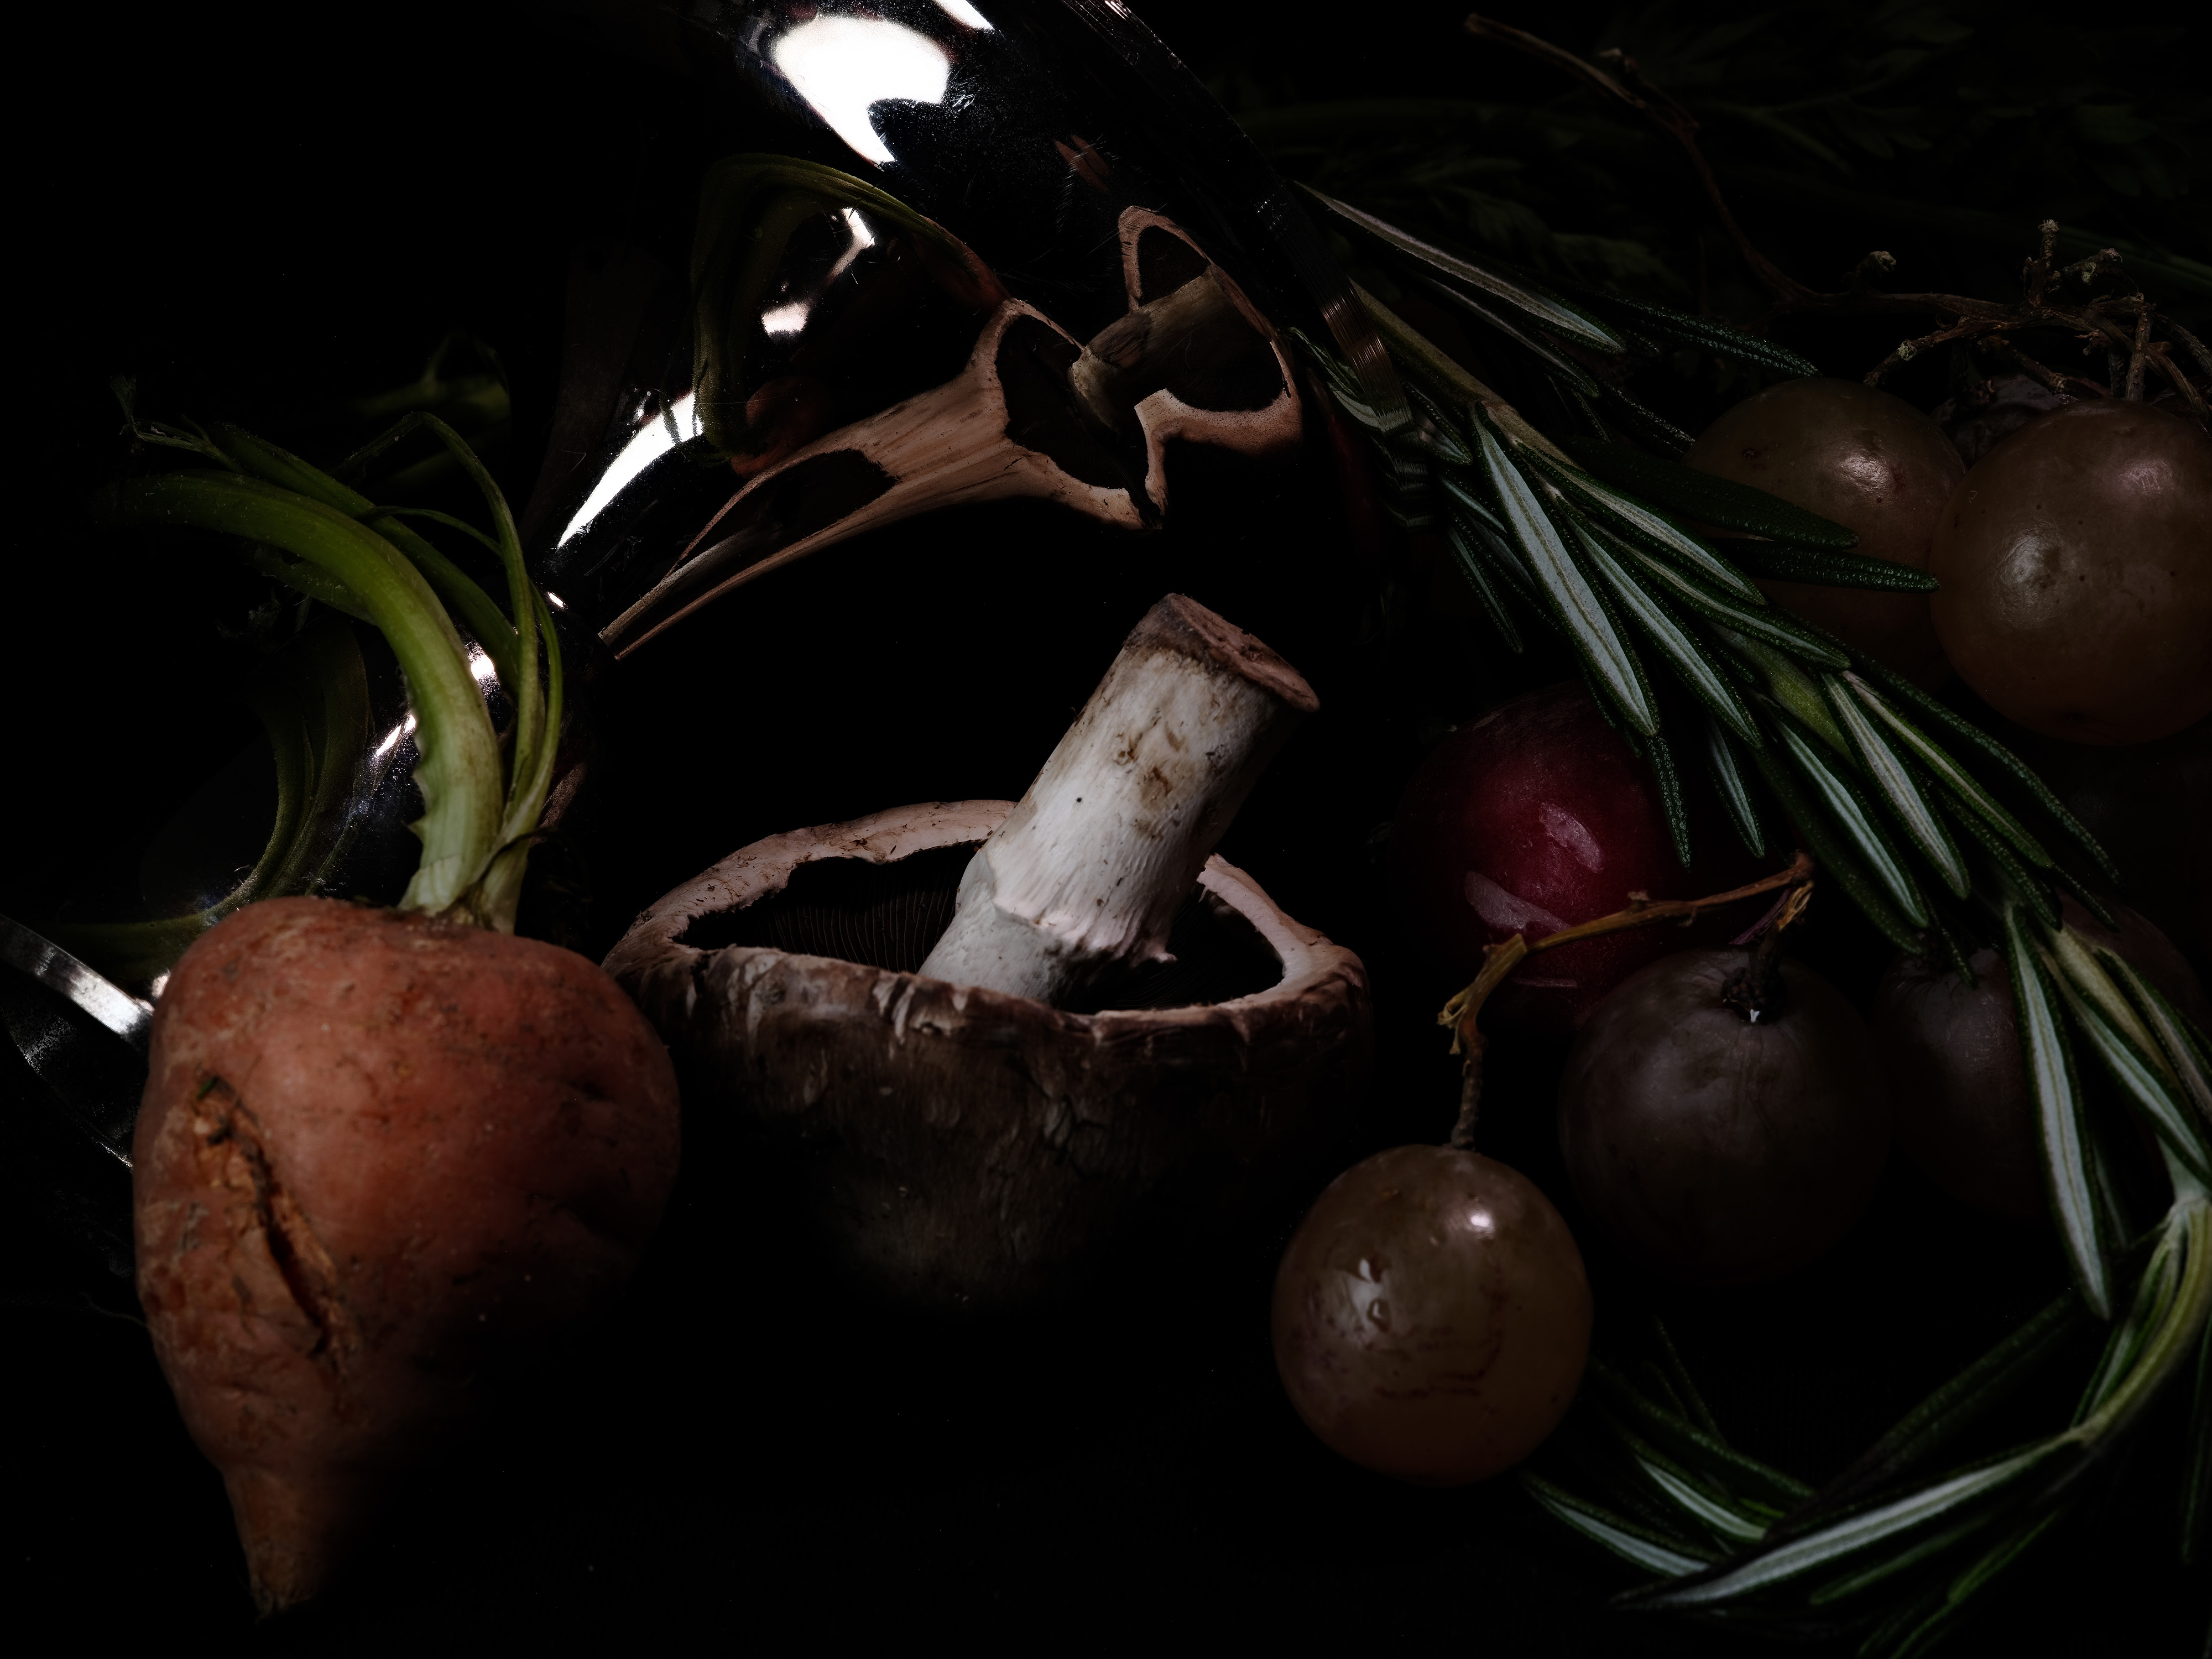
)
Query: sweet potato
[{"x": 382, "y": 1159}]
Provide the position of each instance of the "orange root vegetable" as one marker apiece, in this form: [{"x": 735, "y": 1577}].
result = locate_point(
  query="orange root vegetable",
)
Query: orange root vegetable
[
  {"x": 382, "y": 1159},
  {"x": 384, "y": 1156}
]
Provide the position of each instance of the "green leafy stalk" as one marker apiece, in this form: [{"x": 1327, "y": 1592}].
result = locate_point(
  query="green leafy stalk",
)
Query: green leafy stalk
[
  {"x": 263, "y": 459},
  {"x": 2185, "y": 1060},
  {"x": 460, "y": 772},
  {"x": 1674, "y": 642},
  {"x": 477, "y": 824}
]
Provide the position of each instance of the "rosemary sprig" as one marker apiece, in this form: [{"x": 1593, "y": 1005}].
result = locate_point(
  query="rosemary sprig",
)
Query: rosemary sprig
[{"x": 1884, "y": 784}]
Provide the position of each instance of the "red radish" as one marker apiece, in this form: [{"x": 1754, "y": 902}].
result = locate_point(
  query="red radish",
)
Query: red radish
[
  {"x": 1532, "y": 819},
  {"x": 383, "y": 1155}
]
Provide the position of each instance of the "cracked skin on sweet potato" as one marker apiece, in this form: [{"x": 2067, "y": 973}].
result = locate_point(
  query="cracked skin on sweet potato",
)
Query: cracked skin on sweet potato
[{"x": 382, "y": 1160}]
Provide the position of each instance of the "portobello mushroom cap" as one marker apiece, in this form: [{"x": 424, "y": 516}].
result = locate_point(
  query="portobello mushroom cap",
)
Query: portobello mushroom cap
[{"x": 957, "y": 1148}]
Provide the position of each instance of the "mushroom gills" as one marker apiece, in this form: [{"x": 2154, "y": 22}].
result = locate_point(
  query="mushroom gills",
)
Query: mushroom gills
[{"x": 889, "y": 915}]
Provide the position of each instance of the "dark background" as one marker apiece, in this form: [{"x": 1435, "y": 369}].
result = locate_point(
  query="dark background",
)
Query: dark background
[{"x": 256, "y": 211}]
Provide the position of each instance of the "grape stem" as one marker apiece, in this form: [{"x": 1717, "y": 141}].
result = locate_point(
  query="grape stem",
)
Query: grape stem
[
  {"x": 1500, "y": 959},
  {"x": 1755, "y": 990},
  {"x": 2077, "y": 309}
]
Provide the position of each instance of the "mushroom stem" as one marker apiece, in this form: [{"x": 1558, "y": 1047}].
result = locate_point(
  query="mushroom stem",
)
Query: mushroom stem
[{"x": 1086, "y": 873}]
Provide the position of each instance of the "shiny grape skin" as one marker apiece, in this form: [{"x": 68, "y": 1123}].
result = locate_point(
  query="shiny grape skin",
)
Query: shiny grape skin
[
  {"x": 1532, "y": 817},
  {"x": 1872, "y": 463},
  {"x": 1715, "y": 1151},
  {"x": 2075, "y": 560},
  {"x": 1951, "y": 1052},
  {"x": 1432, "y": 1316}
]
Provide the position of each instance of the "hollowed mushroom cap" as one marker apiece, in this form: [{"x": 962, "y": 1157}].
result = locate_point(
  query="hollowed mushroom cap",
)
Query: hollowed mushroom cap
[{"x": 960, "y": 1148}]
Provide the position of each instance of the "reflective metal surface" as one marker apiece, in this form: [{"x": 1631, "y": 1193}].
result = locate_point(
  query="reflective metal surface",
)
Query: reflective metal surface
[
  {"x": 83, "y": 1036},
  {"x": 1014, "y": 250},
  {"x": 128, "y": 1017},
  {"x": 1006, "y": 248}
]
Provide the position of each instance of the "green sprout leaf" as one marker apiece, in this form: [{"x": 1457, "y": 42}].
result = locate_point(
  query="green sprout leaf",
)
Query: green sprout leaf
[
  {"x": 1693, "y": 1447},
  {"x": 461, "y": 772},
  {"x": 1653, "y": 428},
  {"x": 1566, "y": 368},
  {"x": 262, "y": 459}
]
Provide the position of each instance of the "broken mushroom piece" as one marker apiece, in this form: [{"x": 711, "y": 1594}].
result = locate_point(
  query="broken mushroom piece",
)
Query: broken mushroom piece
[{"x": 956, "y": 1145}]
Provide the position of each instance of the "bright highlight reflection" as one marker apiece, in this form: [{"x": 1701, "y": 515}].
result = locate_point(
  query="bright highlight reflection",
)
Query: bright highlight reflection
[
  {"x": 961, "y": 12},
  {"x": 786, "y": 319},
  {"x": 391, "y": 738},
  {"x": 844, "y": 65},
  {"x": 790, "y": 318},
  {"x": 677, "y": 425}
]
